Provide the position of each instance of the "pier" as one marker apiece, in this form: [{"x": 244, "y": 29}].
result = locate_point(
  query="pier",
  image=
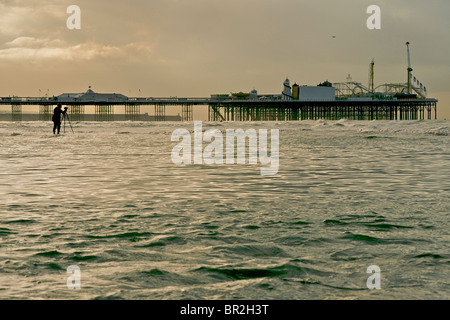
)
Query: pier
[
  {"x": 423, "y": 109},
  {"x": 236, "y": 110}
]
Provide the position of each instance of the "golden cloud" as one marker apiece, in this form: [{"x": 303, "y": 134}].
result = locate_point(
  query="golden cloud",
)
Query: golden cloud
[{"x": 33, "y": 49}]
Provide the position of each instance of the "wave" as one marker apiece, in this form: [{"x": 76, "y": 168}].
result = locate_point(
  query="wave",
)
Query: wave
[
  {"x": 439, "y": 131},
  {"x": 5, "y": 231},
  {"x": 429, "y": 255},
  {"x": 83, "y": 258},
  {"x": 253, "y": 250},
  {"x": 121, "y": 235},
  {"x": 49, "y": 253},
  {"x": 364, "y": 238},
  {"x": 22, "y": 221},
  {"x": 242, "y": 274}
]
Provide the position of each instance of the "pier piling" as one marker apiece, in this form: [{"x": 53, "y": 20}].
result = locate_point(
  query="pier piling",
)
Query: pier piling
[
  {"x": 77, "y": 112},
  {"x": 327, "y": 110},
  {"x": 16, "y": 112},
  {"x": 45, "y": 113},
  {"x": 104, "y": 113},
  {"x": 132, "y": 112},
  {"x": 187, "y": 113},
  {"x": 160, "y": 112}
]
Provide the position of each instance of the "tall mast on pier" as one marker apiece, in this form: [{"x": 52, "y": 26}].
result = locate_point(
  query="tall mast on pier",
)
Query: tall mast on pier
[{"x": 409, "y": 69}]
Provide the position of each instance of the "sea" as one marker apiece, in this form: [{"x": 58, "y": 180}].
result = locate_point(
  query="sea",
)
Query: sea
[{"x": 358, "y": 210}]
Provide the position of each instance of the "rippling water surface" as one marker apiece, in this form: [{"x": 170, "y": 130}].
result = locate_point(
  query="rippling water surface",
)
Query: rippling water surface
[{"x": 108, "y": 199}]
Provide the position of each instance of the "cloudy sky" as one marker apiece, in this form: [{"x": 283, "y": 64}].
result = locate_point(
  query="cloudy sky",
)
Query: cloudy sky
[{"x": 194, "y": 48}]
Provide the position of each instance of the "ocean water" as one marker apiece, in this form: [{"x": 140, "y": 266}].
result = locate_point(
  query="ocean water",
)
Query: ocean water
[{"x": 108, "y": 199}]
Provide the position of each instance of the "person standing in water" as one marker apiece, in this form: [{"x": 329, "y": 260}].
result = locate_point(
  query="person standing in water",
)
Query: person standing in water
[{"x": 57, "y": 112}]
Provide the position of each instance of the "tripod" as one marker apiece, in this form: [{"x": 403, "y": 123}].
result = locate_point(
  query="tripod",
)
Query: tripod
[{"x": 65, "y": 115}]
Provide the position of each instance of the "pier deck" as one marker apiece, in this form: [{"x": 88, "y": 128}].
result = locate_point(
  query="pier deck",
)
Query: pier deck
[{"x": 243, "y": 110}]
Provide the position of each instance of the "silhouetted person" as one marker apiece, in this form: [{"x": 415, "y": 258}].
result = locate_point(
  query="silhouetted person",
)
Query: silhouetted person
[{"x": 57, "y": 113}]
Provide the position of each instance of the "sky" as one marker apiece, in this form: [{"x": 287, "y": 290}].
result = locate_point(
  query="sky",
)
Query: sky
[{"x": 195, "y": 48}]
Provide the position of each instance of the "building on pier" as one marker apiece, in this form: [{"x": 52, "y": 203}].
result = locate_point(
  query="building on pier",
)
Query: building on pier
[
  {"x": 295, "y": 91},
  {"x": 318, "y": 93},
  {"x": 287, "y": 94},
  {"x": 240, "y": 96},
  {"x": 322, "y": 92},
  {"x": 91, "y": 96}
]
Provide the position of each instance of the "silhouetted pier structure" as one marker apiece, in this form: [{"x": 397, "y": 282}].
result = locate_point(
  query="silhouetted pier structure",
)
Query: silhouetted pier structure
[
  {"x": 239, "y": 110},
  {"x": 328, "y": 110}
]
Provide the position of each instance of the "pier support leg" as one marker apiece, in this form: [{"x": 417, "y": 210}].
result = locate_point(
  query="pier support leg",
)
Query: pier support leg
[
  {"x": 187, "y": 113},
  {"x": 215, "y": 114},
  {"x": 132, "y": 112},
  {"x": 16, "y": 112},
  {"x": 44, "y": 113},
  {"x": 160, "y": 113},
  {"x": 76, "y": 113},
  {"x": 104, "y": 113}
]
